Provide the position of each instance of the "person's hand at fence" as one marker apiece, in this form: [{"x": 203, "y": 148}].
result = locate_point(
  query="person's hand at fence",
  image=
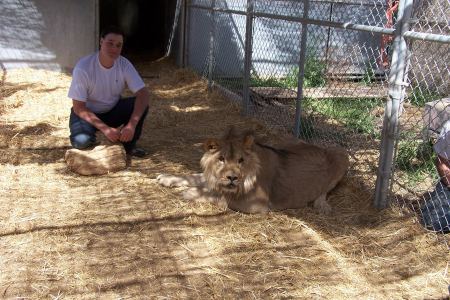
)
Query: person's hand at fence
[
  {"x": 442, "y": 149},
  {"x": 443, "y": 169}
]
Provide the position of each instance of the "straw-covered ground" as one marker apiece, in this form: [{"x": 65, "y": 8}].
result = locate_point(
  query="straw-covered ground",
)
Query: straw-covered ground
[{"x": 122, "y": 236}]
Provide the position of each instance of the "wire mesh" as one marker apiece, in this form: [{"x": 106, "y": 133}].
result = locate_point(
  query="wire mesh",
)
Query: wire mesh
[
  {"x": 342, "y": 100},
  {"x": 236, "y": 5},
  {"x": 280, "y": 8}
]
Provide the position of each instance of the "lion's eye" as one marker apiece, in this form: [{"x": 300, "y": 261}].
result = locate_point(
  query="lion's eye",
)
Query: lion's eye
[
  {"x": 241, "y": 160},
  {"x": 221, "y": 158}
]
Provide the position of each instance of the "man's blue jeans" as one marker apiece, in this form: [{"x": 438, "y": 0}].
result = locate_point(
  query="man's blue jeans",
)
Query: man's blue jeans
[
  {"x": 82, "y": 133},
  {"x": 436, "y": 210}
]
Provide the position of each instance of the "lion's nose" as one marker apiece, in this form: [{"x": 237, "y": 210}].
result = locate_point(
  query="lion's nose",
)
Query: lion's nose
[{"x": 232, "y": 178}]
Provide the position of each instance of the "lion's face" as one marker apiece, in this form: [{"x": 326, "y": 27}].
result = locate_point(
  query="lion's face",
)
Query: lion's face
[{"x": 230, "y": 165}]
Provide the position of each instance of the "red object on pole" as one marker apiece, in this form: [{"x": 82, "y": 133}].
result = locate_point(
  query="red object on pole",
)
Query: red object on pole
[{"x": 392, "y": 7}]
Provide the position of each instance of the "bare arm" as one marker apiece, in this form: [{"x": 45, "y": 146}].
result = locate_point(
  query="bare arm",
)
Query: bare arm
[
  {"x": 443, "y": 168},
  {"x": 142, "y": 100},
  {"x": 80, "y": 109}
]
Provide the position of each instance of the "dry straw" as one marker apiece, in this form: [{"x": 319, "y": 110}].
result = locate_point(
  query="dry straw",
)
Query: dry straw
[{"x": 121, "y": 236}]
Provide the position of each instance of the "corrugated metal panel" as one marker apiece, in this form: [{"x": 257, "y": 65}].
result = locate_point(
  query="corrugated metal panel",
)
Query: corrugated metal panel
[{"x": 49, "y": 34}]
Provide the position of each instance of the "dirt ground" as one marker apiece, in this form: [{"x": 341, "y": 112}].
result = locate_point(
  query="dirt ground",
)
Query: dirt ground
[{"x": 122, "y": 236}]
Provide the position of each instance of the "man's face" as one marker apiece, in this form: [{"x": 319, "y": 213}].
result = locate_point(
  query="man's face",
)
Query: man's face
[{"x": 111, "y": 45}]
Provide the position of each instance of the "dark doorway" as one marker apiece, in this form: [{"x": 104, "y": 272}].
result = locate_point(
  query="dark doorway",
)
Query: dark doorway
[{"x": 146, "y": 24}]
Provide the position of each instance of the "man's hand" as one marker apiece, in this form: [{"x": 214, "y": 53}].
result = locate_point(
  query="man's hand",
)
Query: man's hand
[
  {"x": 140, "y": 104},
  {"x": 127, "y": 133},
  {"x": 112, "y": 134},
  {"x": 79, "y": 107}
]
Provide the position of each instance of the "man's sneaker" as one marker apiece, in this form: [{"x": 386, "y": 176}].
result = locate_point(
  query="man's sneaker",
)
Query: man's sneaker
[{"x": 137, "y": 152}]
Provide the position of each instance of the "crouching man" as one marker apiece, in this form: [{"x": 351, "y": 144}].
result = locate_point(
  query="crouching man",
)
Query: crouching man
[{"x": 97, "y": 83}]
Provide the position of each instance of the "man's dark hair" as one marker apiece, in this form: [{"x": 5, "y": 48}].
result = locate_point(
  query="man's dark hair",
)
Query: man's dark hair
[{"x": 111, "y": 29}]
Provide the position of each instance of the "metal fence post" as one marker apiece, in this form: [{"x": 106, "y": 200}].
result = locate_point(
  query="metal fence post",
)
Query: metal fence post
[
  {"x": 183, "y": 34},
  {"x": 211, "y": 45},
  {"x": 301, "y": 70},
  {"x": 247, "y": 57},
  {"x": 392, "y": 108}
]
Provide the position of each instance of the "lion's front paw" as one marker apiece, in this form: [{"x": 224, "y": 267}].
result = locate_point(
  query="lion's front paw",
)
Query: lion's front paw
[
  {"x": 191, "y": 194},
  {"x": 171, "y": 180},
  {"x": 199, "y": 194}
]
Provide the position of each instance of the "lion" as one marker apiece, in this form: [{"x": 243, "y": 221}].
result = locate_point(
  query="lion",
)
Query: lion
[{"x": 248, "y": 176}]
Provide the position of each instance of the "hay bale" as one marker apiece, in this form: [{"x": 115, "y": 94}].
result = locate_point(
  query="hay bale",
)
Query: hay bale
[{"x": 97, "y": 161}]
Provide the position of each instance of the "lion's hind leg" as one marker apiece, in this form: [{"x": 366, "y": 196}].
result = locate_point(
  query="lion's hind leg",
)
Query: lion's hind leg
[
  {"x": 322, "y": 205},
  {"x": 179, "y": 181}
]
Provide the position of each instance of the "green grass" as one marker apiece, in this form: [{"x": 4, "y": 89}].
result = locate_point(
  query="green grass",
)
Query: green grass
[
  {"x": 314, "y": 72},
  {"x": 257, "y": 81},
  {"x": 314, "y": 76},
  {"x": 354, "y": 113},
  {"x": 415, "y": 157},
  {"x": 369, "y": 75},
  {"x": 307, "y": 130}
]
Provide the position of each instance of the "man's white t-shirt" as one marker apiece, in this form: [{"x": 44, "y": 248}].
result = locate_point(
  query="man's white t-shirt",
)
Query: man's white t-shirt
[{"x": 100, "y": 87}]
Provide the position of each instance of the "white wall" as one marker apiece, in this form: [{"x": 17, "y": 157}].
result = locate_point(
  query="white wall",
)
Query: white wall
[{"x": 50, "y": 34}]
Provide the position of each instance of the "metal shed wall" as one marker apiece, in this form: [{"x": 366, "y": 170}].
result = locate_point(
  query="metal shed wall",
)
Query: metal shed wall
[{"x": 49, "y": 34}]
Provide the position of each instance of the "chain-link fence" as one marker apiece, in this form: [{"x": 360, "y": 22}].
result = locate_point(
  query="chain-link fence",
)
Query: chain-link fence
[{"x": 370, "y": 75}]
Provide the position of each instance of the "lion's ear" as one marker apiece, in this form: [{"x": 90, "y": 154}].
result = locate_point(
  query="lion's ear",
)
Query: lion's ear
[
  {"x": 211, "y": 145},
  {"x": 249, "y": 139}
]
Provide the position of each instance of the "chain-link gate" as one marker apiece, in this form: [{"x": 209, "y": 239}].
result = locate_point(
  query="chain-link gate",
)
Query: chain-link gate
[{"x": 370, "y": 75}]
